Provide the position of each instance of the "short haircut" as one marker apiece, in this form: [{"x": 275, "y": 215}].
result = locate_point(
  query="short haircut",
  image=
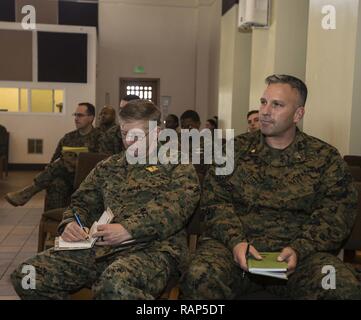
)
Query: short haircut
[
  {"x": 130, "y": 97},
  {"x": 140, "y": 110},
  {"x": 190, "y": 114},
  {"x": 294, "y": 82},
  {"x": 90, "y": 108},
  {"x": 213, "y": 123},
  {"x": 174, "y": 117},
  {"x": 252, "y": 112}
]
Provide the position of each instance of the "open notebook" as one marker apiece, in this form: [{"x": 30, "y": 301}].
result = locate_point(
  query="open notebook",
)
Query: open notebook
[
  {"x": 268, "y": 266},
  {"x": 60, "y": 244}
]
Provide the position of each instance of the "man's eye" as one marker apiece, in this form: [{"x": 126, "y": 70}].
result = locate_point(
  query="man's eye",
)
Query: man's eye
[{"x": 276, "y": 104}]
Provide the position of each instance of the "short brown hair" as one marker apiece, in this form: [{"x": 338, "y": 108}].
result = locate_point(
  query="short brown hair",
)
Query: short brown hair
[
  {"x": 140, "y": 110},
  {"x": 294, "y": 82}
]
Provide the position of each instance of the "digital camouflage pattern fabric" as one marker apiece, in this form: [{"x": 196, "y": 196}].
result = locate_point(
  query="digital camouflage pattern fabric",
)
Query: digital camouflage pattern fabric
[
  {"x": 302, "y": 197},
  {"x": 154, "y": 203},
  {"x": 92, "y": 140},
  {"x": 112, "y": 141},
  {"x": 58, "y": 177}
]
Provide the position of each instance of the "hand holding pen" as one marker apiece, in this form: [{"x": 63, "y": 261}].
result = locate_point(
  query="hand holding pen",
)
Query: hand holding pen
[
  {"x": 241, "y": 253},
  {"x": 77, "y": 219}
]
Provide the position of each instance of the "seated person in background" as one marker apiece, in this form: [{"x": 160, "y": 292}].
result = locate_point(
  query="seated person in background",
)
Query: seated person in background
[
  {"x": 112, "y": 141},
  {"x": 151, "y": 204},
  {"x": 253, "y": 120},
  {"x": 190, "y": 120},
  {"x": 211, "y": 124},
  {"x": 58, "y": 176},
  {"x": 289, "y": 193},
  {"x": 107, "y": 118},
  {"x": 172, "y": 122}
]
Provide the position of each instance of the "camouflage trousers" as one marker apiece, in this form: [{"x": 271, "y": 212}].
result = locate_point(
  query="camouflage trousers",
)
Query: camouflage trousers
[
  {"x": 58, "y": 182},
  {"x": 135, "y": 275},
  {"x": 213, "y": 274}
]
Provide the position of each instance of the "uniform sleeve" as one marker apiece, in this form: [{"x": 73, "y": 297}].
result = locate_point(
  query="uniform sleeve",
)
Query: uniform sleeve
[
  {"x": 57, "y": 153},
  {"x": 332, "y": 221},
  {"x": 222, "y": 222},
  {"x": 170, "y": 210},
  {"x": 87, "y": 201}
]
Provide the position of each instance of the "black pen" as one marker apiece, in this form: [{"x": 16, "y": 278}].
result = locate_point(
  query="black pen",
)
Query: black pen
[{"x": 247, "y": 254}]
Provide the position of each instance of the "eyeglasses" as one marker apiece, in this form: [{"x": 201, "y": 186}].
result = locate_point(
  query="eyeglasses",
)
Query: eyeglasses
[{"x": 80, "y": 115}]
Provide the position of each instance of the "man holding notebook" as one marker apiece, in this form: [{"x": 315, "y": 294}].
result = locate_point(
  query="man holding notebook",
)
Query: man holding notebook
[
  {"x": 145, "y": 208},
  {"x": 58, "y": 176},
  {"x": 289, "y": 194}
]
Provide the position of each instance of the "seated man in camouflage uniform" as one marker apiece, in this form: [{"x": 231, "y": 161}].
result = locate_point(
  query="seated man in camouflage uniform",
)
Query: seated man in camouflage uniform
[
  {"x": 151, "y": 204},
  {"x": 107, "y": 119},
  {"x": 112, "y": 141},
  {"x": 58, "y": 176},
  {"x": 289, "y": 193}
]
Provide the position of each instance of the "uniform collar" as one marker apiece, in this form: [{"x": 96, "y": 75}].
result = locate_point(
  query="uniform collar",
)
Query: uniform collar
[{"x": 294, "y": 153}]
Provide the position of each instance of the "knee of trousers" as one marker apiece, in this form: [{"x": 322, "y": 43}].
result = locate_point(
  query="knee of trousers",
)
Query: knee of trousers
[
  {"x": 17, "y": 277},
  {"x": 115, "y": 288},
  {"x": 197, "y": 281}
]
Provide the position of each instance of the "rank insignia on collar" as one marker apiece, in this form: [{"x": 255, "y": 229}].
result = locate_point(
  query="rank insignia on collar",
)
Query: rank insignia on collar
[{"x": 152, "y": 168}]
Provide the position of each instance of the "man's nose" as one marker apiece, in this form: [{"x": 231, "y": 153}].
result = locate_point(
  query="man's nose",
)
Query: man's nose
[{"x": 265, "y": 108}]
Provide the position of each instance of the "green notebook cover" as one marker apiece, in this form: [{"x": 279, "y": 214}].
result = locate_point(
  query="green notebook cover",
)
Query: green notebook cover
[{"x": 268, "y": 263}]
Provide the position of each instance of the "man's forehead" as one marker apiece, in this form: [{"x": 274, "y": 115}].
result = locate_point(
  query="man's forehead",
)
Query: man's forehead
[
  {"x": 106, "y": 110},
  {"x": 82, "y": 108},
  {"x": 253, "y": 115},
  {"x": 280, "y": 91}
]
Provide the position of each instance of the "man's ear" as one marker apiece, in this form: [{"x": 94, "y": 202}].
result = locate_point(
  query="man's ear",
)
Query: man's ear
[{"x": 300, "y": 112}]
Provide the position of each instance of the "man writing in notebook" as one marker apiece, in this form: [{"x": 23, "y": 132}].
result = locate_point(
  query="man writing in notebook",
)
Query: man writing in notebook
[
  {"x": 58, "y": 176},
  {"x": 289, "y": 193},
  {"x": 151, "y": 205}
]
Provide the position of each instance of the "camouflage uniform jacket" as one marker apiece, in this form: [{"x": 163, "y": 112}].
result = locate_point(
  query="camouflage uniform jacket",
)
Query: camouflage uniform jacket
[
  {"x": 105, "y": 128},
  {"x": 93, "y": 140},
  {"x": 112, "y": 141},
  {"x": 150, "y": 202},
  {"x": 301, "y": 197}
]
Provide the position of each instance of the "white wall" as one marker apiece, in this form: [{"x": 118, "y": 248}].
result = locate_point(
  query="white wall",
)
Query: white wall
[
  {"x": 281, "y": 48},
  {"x": 49, "y": 127},
  {"x": 234, "y": 73},
  {"x": 173, "y": 40},
  {"x": 333, "y": 76}
]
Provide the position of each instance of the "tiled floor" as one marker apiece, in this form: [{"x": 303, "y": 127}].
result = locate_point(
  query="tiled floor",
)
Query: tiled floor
[{"x": 18, "y": 229}]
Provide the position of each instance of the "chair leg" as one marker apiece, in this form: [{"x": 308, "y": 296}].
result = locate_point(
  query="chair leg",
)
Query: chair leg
[
  {"x": 192, "y": 243},
  {"x": 41, "y": 236},
  {"x": 174, "y": 293},
  {"x": 6, "y": 166}
]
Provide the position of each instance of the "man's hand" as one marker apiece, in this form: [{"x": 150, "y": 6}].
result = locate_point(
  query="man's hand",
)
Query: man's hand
[
  {"x": 111, "y": 234},
  {"x": 73, "y": 232},
  {"x": 239, "y": 254},
  {"x": 290, "y": 256}
]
